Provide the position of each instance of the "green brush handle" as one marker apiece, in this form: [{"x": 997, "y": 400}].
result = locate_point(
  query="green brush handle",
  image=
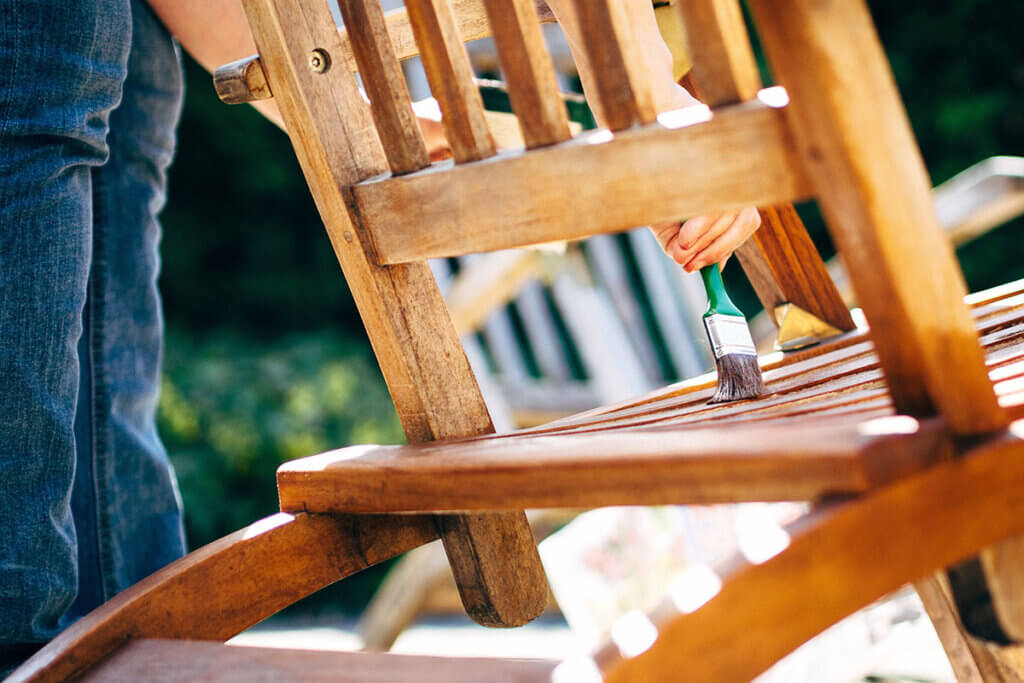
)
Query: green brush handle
[{"x": 718, "y": 298}]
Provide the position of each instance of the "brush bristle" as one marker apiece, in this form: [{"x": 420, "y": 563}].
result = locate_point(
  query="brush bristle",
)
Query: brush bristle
[{"x": 739, "y": 377}]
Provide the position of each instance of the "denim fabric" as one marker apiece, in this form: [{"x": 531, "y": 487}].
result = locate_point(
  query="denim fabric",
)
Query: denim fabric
[{"x": 90, "y": 94}]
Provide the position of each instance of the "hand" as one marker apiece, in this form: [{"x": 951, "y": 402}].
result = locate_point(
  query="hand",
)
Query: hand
[{"x": 704, "y": 240}]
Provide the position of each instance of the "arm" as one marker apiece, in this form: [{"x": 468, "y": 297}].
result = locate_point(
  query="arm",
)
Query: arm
[{"x": 214, "y": 32}]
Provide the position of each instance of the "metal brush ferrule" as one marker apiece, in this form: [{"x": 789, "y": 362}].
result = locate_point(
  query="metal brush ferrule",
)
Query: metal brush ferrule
[{"x": 729, "y": 334}]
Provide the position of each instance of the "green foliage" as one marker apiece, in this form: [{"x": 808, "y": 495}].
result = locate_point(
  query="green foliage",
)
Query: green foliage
[{"x": 233, "y": 410}]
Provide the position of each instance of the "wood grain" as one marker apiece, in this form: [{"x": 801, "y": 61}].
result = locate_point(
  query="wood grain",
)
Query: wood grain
[
  {"x": 780, "y": 260},
  {"x": 426, "y": 370},
  {"x": 562, "y": 192},
  {"x": 971, "y": 662},
  {"x": 526, "y": 65},
  {"x": 1003, "y": 566},
  {"x": 858, "y": 149},
  {"x": 451, "y": 79},
  {"x": 797, "y": 461},
  {"x": 837, "y": 561},
  {"x": 385, "y": 85},
  {"x": 623, "y": 92},
  {"x": 177, "y": 661},
  {"x": 724, "y": 67},
  {"x": 795, "y": 271},
  {"x": 999, "y": 317},
  {"x": 206, "y": 596}
]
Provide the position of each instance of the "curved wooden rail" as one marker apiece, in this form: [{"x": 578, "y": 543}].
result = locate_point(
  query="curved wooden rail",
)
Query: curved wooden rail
[
  {"x": 224, "y": 587},
  {"x": 838, "y": 559}
]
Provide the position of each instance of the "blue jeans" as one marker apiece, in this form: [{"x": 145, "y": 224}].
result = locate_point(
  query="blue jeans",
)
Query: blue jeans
[{"x": 90, "y": 95}]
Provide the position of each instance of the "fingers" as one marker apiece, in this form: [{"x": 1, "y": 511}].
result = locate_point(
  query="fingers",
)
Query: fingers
[
  {"x": 718, "y": 250},
  {"x": 697, "y": 233}
]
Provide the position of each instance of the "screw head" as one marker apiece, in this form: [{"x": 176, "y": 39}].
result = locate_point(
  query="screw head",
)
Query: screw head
[{"x": 319, "y": 61}]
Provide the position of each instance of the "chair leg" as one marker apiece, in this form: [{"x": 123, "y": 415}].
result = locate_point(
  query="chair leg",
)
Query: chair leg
[
  {"x": 970, "y": 661},
  {"x": 223, "y": 588}
]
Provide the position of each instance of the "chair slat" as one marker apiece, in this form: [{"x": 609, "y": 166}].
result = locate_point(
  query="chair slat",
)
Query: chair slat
[
  {"x": 572, "y": 190},
  {"x": 167, "y": 661},
  {"x": 451, "y": 79},
  {"x": 385, "y": 85},
  {"x": 623, "y": 90},
  {"x": 714, "y": 464},
  {"x": 527, "y": 68}
]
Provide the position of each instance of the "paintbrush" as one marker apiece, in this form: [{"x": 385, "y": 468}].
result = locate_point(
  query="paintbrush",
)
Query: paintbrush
[{"x": 739, "y": 374}]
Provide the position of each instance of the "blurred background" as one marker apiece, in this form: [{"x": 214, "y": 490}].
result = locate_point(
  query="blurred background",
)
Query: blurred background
[{"x": 267, "y": 360}]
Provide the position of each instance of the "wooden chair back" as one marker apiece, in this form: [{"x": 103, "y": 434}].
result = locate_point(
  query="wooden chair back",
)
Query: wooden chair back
[{"x": 843, "y": 138}]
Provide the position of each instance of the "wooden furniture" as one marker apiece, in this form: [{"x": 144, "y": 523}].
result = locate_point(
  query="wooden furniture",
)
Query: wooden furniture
[{"x": 905, "y": 438}]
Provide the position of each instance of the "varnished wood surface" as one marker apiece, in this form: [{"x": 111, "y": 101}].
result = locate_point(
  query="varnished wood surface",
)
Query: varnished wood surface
[
  {"x": 166, "y": 661},
  {"x": 806, "y": 438},
  {"x": 834, "y": 562},
  {"x": 744, "y": 157},
  {"x": 494, "y": 557},
  {"x": 634, "y": 467},
  {"x": 793, "y": 270},
  {"x": 227, "y": 586}
]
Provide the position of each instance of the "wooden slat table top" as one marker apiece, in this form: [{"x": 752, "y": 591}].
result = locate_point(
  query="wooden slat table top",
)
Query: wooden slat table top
[
  {"x": 826, "y": 428},
  {"x": 169, "y": 661}
]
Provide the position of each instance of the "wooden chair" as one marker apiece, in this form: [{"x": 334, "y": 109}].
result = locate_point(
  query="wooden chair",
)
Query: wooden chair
[{"x": 904, "y": 437}]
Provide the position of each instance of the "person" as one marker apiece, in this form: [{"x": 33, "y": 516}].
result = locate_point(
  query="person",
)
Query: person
[{"x": 90, "y": 96}]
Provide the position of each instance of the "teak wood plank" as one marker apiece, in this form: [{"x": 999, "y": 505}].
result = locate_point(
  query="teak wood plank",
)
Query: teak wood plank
[
  {"x": 836, "y": 561},
  {"x": 999, "y": 302},
  {"x": 780, "y": 259},
  {"x": 165, "y": 661},
  {"x": 526, "y": 65},
  {"x": 858, "y": 149},
  {"x": 638, "y": 467},
  {"x": 494, "y": 557},
  {"x": 575, "y": 189},
  {"x": 446, "y": 64},
  {"x": 385, "y": 85},
  {"x": 999, "y": 316},
  {"x": 227, "y": 586}
]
